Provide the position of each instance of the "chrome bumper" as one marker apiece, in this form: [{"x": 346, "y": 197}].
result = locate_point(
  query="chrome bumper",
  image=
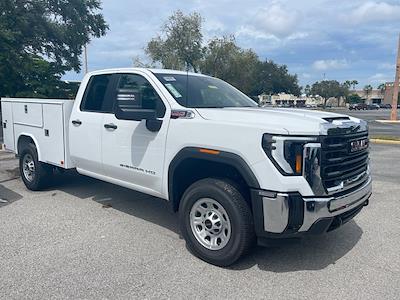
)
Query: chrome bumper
[
  {"x": 319, "y": 208},
  {"x": 276, "y": 208}
]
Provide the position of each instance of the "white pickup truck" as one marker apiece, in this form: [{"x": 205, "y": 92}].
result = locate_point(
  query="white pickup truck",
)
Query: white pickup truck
[{"x": 235, "y": 172}]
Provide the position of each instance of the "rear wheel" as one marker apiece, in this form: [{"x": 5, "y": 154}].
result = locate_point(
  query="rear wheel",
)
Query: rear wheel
[
  {"x": 34, "y": 174},
  {"x": 216, "y": 221}
]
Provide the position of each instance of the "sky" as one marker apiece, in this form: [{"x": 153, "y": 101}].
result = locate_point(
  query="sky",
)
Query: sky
[{"x": 316, "y": 39}]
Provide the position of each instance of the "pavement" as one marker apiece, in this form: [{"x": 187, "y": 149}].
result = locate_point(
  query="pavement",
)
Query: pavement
[{"x": 82, "y": 238}]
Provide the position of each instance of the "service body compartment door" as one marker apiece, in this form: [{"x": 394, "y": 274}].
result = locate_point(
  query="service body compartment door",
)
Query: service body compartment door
[
  {"x": 52, "y": 140},
  {"x": 28, "y": 114},
  {"x": 8, "y": 126}
]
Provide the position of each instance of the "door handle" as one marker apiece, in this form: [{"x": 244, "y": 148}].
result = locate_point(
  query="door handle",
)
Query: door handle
[
  {"x": 76, "y": 122},
  {"x": 110, "y": 126}
]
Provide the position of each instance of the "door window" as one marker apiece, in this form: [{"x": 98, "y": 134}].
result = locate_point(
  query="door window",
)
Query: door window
[
  {"x": 135, "y": 92},
  {"x": 95, "y": 98}
]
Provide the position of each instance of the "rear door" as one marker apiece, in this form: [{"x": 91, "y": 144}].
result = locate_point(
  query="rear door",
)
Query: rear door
[
  {"x": 86, "y": 124},
  {"x": 131, "y": 152}
]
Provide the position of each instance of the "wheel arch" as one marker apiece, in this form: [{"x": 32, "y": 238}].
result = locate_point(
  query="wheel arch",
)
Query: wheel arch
[
  {"x": 25, "y": 139},
  {"x": 208, "y": 163}
]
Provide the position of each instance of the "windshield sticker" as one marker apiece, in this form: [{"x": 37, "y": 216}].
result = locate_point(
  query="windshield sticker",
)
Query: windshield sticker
[
  {"x": 213, "y": 87},
  {"x": 173, "y": 90},
  {"x": 169, "y": 78}
]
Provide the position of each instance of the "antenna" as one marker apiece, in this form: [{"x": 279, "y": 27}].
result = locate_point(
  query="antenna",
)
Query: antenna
[{"x": 187, "y": 83}]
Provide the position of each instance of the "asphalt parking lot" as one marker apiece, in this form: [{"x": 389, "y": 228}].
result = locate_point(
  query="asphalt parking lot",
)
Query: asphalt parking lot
[
  {"x": 83, "y": 238},
  {"x": 375, "y": 128}
]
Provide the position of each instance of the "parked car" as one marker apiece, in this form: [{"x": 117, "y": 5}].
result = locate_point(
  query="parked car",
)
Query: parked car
[
  {"x": 358, "y": 106},
  {"x": 372, "y": 106},
  {"x": 137, "y": 128},
  {"x": 385, "y": 106}
]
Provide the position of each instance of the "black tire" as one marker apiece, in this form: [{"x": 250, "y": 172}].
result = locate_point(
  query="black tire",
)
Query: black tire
[
  {"x": 239, "y": 213},
  {"x": 40, "y": 177}
]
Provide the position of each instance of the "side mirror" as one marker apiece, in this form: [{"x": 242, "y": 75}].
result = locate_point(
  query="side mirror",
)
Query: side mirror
[{"x": 139, "y": 114}]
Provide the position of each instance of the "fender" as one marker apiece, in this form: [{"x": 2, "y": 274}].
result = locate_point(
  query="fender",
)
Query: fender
[
  {"x": 34, "y": 140},
  {"x": 224, "y": 157}
]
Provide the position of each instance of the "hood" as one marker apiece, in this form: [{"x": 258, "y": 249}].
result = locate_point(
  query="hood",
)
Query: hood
[{"x": 274, "y": 120}]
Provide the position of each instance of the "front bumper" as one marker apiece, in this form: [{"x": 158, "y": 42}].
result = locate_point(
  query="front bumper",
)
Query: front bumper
[{"x": 289, "y": 214}]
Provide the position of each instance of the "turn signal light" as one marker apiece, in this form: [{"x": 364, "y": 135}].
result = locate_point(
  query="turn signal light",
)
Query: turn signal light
[
  {"x": 298, "y": 163},
  {"x": 209, "y": 151}
]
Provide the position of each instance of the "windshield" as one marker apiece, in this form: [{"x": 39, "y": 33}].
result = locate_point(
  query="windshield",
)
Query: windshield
[{"x": 201, "y": 91}]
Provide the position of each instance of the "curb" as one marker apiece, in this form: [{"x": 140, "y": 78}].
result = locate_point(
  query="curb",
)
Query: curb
[
  {"x": 388, "y": 121},
  {"x": 389, "y": 142}
]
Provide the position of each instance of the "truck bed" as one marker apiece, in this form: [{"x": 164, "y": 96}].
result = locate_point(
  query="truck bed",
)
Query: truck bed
[{"x": 45, "y": 121}]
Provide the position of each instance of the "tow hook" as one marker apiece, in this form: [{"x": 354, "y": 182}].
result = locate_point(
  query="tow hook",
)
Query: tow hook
[{"x": 366, "y": 202}]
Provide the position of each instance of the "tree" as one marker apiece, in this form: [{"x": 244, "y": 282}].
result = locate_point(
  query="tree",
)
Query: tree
[
  {"x": 354, "y": 83},
  {"x": 354, "y": 98},
  {"x": 273, "y": 78},
  {"x": 344, "y": 91},
  {"x": 327, "y": 89},
  {"x": 32, "y": 31},
  {"x": 367, "y": 90},
  {"x": 307, "y": 90},
  {"x": 180, "y": 44},
  {"x": 227, "y": 61},
  {"x": 382, "y": 88}
]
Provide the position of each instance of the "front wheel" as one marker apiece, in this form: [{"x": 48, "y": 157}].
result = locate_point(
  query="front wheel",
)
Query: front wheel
[
  {"x": 33, "y": 172},
  {"x": 216, "y": 221}
]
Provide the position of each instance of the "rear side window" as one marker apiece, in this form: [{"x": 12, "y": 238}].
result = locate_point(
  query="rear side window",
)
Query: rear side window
[
  {"x": 135, "y": 92},
  {"x": 95, "y": 98}
]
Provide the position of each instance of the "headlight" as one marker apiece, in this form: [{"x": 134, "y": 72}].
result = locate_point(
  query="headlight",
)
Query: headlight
[{"x": 286, "y": 152}]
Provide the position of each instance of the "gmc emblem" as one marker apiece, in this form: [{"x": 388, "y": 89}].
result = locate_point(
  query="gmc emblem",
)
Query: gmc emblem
[{"x": 358, "y": 145}]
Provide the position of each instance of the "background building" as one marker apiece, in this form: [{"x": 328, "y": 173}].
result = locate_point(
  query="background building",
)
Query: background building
[
  {"x": 374, "y": 96},
  {"x": 283, "y": 99}
]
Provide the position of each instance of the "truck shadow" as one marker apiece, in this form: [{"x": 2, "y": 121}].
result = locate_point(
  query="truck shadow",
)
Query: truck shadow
[{"x": 309, "y": 253}]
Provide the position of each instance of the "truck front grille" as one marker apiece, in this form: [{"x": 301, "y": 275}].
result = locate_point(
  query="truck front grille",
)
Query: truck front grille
[{"x": 340, "y": 164}]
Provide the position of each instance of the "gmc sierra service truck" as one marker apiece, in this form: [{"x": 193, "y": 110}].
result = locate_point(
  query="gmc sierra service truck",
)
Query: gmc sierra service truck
[{"x": 235, "y": 172}]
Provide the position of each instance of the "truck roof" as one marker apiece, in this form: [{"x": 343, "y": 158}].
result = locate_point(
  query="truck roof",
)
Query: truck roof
[{"x": 153, "y": 70}]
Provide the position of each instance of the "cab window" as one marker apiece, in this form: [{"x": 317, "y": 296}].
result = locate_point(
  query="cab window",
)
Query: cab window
[
  {"x": 95, "y": 98},
  {"x": 135, "y": 92}
]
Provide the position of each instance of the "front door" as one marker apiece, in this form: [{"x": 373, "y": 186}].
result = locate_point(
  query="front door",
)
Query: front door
[{"x": 131, "y": 152}]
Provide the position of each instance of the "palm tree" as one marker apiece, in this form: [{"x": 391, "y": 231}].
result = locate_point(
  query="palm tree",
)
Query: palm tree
[
  {"x": 367, "y": 90},
  {"x": 348, "y": 83},
  {"x": 382, "y": 88},
  {"x": 354, "y": 83}
]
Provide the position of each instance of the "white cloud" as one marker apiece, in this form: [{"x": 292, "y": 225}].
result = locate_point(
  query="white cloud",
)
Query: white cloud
[
  {"x": 329, "y": 64},
  {"x": 373, "y": 11},
  {"x": 277, "y": 20},
  {"x": 252, "y": 32},
  {"x": 380, "y": 78},
  {"x": 386, "y": 66}
]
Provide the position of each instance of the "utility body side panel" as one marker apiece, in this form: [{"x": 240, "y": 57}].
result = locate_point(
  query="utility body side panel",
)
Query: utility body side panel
[{"x": 44, "y": 121}]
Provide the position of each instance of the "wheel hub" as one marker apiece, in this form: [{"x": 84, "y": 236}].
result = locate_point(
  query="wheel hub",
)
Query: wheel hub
[
  {"x": 28, "y": 167},
  {"x": 210, "y": 224}
]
